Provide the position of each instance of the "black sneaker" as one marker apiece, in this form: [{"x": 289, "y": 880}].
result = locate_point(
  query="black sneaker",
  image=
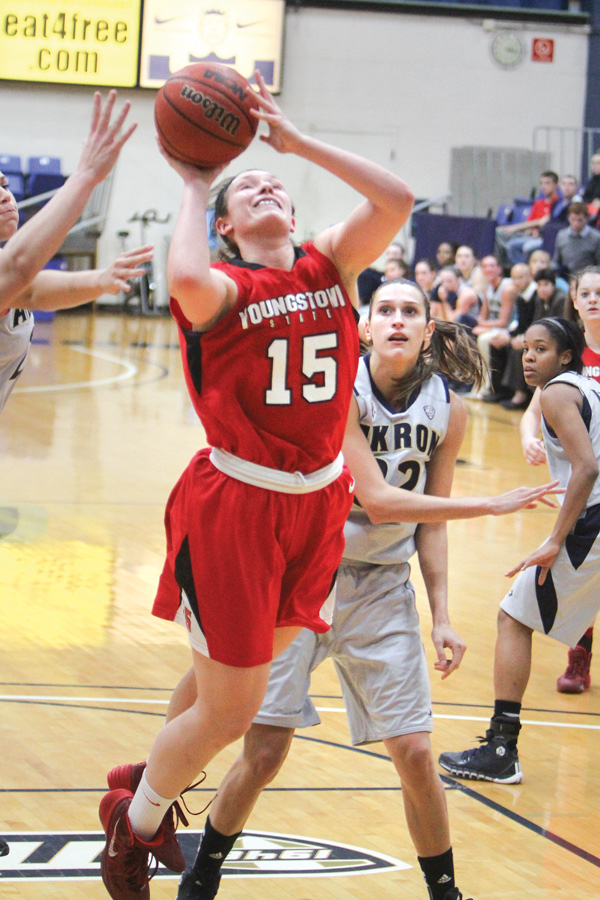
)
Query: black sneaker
[
  {"x": 453, "y": 894},
  {"x": 494, "y": 760},
  {"x": 4, "y": 848},
  {"x": 198, "y": 886}
]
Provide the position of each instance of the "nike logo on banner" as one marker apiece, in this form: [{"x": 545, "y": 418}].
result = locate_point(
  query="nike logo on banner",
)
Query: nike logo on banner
[
  {"x": 249, "y": 24},
  {"x": 158, "y": 21}
]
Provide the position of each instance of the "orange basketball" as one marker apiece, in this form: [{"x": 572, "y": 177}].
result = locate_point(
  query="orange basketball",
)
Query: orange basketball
[{"x": 202, "y": 114}]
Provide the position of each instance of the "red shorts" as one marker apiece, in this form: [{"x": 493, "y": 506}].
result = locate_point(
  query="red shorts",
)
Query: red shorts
[{"x": 250, "y": 559}]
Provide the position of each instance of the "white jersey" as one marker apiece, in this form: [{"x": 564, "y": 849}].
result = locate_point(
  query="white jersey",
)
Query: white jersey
[
  {"x": 16, "y": 328},
  {"x": 559, "y": 465},
  {"x": 494, "y": 298},
  {"x": 402, "y": 443}
]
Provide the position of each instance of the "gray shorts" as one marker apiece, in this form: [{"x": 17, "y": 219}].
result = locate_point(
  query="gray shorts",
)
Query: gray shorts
[{"x": 376, "y": 646}]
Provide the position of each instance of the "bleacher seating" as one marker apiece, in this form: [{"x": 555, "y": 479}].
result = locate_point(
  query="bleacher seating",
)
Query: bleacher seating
[{"x": 44, "y": 174}]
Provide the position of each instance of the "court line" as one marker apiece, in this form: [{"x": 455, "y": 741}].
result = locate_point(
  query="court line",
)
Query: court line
[
  {"x": 451, "y": 784},
  {"x": 480, "y": 798},
  {"x": 69, "y": 701},
  {"x": 169, "y": 690},
  {"x": 130, "y": 372}
]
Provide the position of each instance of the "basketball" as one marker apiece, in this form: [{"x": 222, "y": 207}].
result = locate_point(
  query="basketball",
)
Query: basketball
[{"x": 202, "y": 114}]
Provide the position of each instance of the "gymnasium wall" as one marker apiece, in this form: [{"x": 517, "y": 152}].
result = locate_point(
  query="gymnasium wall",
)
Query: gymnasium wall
[{"x": 402, "y": 89}]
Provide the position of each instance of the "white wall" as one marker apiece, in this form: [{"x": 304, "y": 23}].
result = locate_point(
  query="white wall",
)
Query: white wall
[{"x": 402, "y": 89}]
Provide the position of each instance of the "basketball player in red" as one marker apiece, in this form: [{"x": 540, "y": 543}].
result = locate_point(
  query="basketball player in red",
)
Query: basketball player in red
[{"x": 255, "y": 524}]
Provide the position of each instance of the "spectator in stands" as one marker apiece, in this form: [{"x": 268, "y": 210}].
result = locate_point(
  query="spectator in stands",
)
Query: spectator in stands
[
  {"x": 495, "y": 315},
  {"x": 578, "y": 245},
  {"x": 569, "y": 190},
  {"x": 453, "y": 300},
  {"x": 537, "y": 299},
  {"x": 445, "y": 254},
  {"x": 591, "y": 192},
  {"x": 549, "y": 300},
  {"x": 395, "y": 268},
  {"x": 541, "y": 259},
  {"x": 512, "y": 240},
  {"x": 395, "y": 250},
  {"x": 371, "y": 278},
  {"x": 470, "y": 270},
  {"x": 426, "y": 274}
]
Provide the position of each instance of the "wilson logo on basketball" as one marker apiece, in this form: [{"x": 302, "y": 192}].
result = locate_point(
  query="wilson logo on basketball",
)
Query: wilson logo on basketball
[
  {"x": 53, "y": 856},
  {"x": 212, "y": 110}
]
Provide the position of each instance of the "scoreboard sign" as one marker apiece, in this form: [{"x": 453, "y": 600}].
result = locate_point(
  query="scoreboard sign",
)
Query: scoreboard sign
[
  {"x": 245, "y": 34},
  {"x": 89, "y": 42}
]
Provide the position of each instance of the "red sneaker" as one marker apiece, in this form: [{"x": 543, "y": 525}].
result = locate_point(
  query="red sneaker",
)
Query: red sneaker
[
  {"x": 576, "y": 678},
  {"x": 125, "y": 858},
  {"x": 169, "y": 853}
]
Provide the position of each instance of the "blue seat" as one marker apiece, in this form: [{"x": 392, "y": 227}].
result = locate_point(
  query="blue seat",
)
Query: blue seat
[
  {"x": 505, "y": 214},
  {"x": 520, "y": 213},
  {"x": 45, "y": 174},
  {"x": 10, "y": 165},
  {"x": 16, "y": 184}
]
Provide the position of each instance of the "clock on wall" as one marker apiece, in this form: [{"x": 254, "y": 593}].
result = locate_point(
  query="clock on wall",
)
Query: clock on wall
[{"x": 508, "y": 49}]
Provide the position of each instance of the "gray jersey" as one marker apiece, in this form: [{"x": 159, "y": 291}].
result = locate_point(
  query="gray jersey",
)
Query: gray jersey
[
  {"x": 402, "y": 443},
  {"x": 559, "y": 465},
  {"x": 16, "y": 328},
  {"x": 494, "y": 298}
]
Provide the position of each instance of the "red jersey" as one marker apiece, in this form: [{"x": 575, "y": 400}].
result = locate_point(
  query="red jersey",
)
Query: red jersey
[
  {"x": 541, "y": 207},
  {"x": 272, "y": 381},
  {"x": 591, "y": 364}
]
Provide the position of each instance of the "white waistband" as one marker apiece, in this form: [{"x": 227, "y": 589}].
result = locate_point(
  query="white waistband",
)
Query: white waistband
[{"x": 275, "y": 479}]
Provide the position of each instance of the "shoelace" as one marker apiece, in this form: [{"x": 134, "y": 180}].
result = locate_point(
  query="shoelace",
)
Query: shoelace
[
  {"x": 178, "y": 810},
  {"x": 477, "y": 751}
]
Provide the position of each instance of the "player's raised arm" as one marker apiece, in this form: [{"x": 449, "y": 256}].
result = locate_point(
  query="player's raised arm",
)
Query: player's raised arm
[
  {"x": 354, "y": 244},
  {"x": 203, "y": 294},
  {"x": 29, "y": 249}
]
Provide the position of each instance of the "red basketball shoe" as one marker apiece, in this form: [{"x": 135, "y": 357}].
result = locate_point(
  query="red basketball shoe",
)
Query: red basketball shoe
[
  {"x": 125, "y": 859},
  {"x": 576, "y": 678},
  {"x": 127, "y": 777}
]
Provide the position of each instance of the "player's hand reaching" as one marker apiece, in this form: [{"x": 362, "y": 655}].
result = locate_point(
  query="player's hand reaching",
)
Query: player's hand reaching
[
  {"x": 116, "y": 277},
  {"x": 544, "y": 557},
  {"x": 283, "y": 136},
  {"x": 104, "y": 142},
  {"x": 524, "y": 498},
  {"x": 445, "y": 638}
]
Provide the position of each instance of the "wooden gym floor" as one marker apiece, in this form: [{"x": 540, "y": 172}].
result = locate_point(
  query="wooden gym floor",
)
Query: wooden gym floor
[{"x": 91, "y": 443}]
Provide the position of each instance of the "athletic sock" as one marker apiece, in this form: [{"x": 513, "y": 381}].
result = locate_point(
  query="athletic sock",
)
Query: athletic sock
[
  {"x": 147, "y": 810},
  {"x": 586, "y": 640},
  {"x": 506, "y": 720},
  {"x": 214, "y": 848},
  {"x": 439, "y": 873}
]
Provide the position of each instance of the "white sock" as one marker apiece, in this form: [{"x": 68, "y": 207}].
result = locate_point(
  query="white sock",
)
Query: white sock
[{"x": 147, "y": 810}]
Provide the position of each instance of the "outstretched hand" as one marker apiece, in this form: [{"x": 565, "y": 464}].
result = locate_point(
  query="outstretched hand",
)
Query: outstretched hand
[
  {"x": 445, "y": 638},
  {"x": 282, "y": 136},
  {"x": 525, "y": 498},
  {"x": 544, "y": 557},
  {"x": 115, "y": 277},
  {"x": 104, "y": 142}
]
